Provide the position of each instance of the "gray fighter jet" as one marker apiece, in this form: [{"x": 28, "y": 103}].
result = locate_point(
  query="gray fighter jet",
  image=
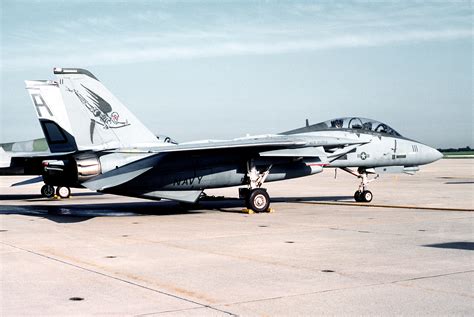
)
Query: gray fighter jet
[{"x": 97, "y": 143}]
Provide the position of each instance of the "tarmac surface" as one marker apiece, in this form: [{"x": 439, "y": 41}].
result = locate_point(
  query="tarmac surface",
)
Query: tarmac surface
[{"x": 409, "y": 252}]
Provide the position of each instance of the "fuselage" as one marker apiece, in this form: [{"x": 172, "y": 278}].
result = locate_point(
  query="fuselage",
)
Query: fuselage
[
  {"x": 342, "y": 145},
  {"x": 199, "y": 171}
]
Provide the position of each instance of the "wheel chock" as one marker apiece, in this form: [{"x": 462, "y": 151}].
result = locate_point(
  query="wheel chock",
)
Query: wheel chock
[
  {"x": 56, "y": 197},
  {"x": 250, "y": 211}
]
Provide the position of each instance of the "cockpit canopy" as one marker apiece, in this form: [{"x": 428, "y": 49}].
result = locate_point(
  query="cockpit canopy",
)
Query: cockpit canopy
[{"x": 356, "y": 123}]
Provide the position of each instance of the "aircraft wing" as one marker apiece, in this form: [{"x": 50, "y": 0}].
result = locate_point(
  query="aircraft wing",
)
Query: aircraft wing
[
  {"x": 263, "y": 143},
  {"x": 268, "y": 146}
]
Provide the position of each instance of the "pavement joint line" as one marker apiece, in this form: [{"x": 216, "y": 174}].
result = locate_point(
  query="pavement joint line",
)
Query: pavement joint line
[
  {"x": 247, "y": 258},
  {"x": 335, "y": 203},
  {"x": 119, "y": 279},
  {"x": 351, "y": 287},
  {"x": 303, "y": 294},
  {"x": 415, "y": 286},
  {"x": 432, "y": 276},
  {"x": 170, "y": 311}
]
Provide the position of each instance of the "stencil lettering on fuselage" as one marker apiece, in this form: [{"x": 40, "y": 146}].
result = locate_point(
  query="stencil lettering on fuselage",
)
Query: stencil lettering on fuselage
[{"x": 188, "y": 181}]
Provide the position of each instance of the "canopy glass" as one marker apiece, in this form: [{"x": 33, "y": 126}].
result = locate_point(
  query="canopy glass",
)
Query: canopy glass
[{"x": 356, "y": 123}]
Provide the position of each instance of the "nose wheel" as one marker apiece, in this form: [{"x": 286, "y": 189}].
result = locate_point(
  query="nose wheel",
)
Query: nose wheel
[{"x": 364, "y": 196}]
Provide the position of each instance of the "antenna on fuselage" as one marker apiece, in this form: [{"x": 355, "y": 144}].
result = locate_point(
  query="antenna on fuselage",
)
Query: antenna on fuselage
[{"x": 307, "y": 123}]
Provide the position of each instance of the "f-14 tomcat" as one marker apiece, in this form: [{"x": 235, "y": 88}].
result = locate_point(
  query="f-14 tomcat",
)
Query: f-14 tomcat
[{"x": 97, "y": 143}]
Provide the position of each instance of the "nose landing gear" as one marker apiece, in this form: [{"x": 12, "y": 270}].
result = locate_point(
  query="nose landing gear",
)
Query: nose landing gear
[{"x": 362, "y": 194}]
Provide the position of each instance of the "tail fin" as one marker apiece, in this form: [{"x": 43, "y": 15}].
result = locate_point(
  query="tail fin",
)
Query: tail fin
[
  {"x": 48, "y": 102},
  {"x": 97, "y": 119}
]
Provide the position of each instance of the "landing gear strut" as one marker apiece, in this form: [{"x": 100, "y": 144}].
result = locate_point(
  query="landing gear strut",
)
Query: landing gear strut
[
  {"x": 256, "y": 198},
  {"x": 49, "y": 192},
  {"x": 362, "y": 194}
]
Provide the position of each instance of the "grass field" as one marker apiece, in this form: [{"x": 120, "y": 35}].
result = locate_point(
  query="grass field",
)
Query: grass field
[{"x": 460, "y": 154}]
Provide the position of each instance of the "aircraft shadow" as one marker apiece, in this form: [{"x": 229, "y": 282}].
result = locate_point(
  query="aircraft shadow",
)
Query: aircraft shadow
[
  {"x": 459, "y": 183},
  {"x": 224, "y": 204},
  {"x": 38, "y": 196},
  {"x": 460, "y": 245},
  {"x": 315, "y": 199},
  {"x": 73, "y": 213}
]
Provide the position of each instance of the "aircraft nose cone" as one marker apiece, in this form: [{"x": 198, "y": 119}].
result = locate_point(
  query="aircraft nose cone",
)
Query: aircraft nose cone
[{"x": 434, "y": 155}]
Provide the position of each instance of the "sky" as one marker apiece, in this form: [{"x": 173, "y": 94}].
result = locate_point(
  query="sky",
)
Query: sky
[{"x": 223, "y": 69}]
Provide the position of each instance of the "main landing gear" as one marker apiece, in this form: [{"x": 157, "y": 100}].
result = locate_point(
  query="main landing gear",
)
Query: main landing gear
[
  {"x": 255, "y": 197},
  {"x": 362, "y": 194},
  {"x": 48, "y": 191}
]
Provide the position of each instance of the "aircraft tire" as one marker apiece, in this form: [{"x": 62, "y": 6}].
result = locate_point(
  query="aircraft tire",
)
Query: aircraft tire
[
  {"x": 63, "y": 192},
  {"x": 357, "y": 196},
  {"x": 47, "y": 191},
  {"x": 247, "y": 202},
  {"x": 259, "y": 200},
  {"x": 366, "y": 196}
]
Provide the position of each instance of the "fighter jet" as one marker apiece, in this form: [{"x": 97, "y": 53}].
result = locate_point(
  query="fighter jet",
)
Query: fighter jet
[{"x": 97, "y": 143}]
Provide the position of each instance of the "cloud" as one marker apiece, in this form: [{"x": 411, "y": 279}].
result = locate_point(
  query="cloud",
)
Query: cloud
[
  {"x": 130, "y": 54},
  {"x": 166, "y": 33}
]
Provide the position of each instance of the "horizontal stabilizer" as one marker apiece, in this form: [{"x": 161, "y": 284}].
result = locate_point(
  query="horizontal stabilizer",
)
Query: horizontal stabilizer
[
  {"x": 44, "y": 154},
  {"x": 29, "y": 181}
]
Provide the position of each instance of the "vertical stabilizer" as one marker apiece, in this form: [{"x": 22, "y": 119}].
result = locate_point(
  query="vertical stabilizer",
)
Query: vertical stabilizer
[
  {"x": 97, "y": 119},
  {"x": 49, "y": 107}
]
